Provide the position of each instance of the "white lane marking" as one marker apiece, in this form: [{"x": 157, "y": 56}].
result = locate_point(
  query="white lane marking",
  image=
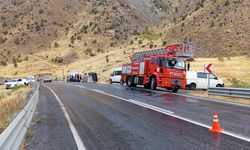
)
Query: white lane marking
[
  {"x": 209, "y": 99},
  {"x": 199, "y": 98},
  {"x": 99, "y": 91},
  {"x": 150, "y": 107},
  {"x": 236, "y": 136},
  {"x": 132, "y": 101},
  {"x": 167, "y": 113},
  {"x": 76, "y": 136}
]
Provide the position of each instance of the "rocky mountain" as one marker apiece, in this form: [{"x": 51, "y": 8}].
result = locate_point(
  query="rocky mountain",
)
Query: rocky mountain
[{"x": 87, "y": 27}]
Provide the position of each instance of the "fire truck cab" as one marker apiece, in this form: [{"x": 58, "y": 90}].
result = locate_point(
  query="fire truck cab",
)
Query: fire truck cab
[{"x": 157, "y": 69}]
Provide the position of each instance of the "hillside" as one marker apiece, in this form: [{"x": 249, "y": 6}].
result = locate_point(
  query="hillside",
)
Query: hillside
[{"x": 56, "y": 36}]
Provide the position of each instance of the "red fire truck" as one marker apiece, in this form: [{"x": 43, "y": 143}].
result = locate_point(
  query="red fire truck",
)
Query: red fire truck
[{"x": 165, "y": 67}]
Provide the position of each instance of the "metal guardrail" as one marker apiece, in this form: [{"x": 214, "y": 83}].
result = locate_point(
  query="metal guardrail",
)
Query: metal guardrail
[
  {"x": 11, "y": 138},
  {"x": 231, "y": 92}
]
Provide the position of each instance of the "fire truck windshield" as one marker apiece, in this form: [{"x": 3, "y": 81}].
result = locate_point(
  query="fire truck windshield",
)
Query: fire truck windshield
[{"x": 174, "y": 63}]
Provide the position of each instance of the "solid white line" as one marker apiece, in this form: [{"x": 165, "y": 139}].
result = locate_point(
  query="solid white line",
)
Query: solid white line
[
  {"x": 166, "y": 112},
  {"x": 132, "y": 101},
  {"x": 99, "y": 91},
  {"x": 151, "y": 107},
  {"x": 214, "y": 100},
  {"x": 76, "y": 136},
  {"x": 198, "y": 97}
]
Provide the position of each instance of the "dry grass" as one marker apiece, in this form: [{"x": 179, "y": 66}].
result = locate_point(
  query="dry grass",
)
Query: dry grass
[
  {"x": 234, "y": 67},
  {"x": 11, "y": 101}
]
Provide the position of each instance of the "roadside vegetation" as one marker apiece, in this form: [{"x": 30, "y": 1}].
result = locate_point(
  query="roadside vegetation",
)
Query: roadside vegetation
[
  {"x": 151, "y": 35},
  {"x": 234, "y": 71},
  {"x": 11, "y": 102}
]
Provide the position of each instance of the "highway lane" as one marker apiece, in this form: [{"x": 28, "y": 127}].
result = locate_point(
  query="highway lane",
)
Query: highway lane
[
  {"x": 105, "y": 122},
  {"x": 49, "y": 129},
  {"x": 233, "y": 118}
]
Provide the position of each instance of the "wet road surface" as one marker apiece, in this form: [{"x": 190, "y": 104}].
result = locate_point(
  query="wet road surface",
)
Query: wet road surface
[
  {"x": 105, "y": 122},
  {"x": 233, "y": 118}
]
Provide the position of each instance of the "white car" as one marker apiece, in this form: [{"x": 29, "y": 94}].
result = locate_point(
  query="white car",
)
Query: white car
[
  {"x": 115, "y": 77},
  {"x": 199, "y": 80},
  {"x": 30, "y": 79},
  {"x": 15, "y": 82}
]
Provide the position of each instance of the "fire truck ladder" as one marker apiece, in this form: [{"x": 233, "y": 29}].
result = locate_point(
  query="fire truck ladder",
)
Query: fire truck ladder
[{"x": 178, "y": 50}]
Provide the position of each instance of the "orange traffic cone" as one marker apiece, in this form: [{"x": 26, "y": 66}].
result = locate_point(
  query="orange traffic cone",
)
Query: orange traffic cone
[{"x": 216, "y": 124}]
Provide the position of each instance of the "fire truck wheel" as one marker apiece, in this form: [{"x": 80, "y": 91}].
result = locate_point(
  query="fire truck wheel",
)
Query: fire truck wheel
[
  {"x": 146, "y": 86},
  {"x": 153, "y": 83},
  {"x": 175, "y": 89},
  {"x": 130, "y": 81}
]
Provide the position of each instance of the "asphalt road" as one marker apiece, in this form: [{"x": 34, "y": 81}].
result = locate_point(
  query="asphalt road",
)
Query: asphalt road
[
  {"x": 233, "y": 118},
  {"x": 107, "y": 122}
]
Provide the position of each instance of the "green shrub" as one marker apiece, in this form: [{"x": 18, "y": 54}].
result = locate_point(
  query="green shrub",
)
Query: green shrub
[
  {"x": 131, "y": 42},
  {"x": 151, "y": 45},
  {"x": 2, "y": 40},
  {"x": 41, "y": 11},
  {"x": 4, "y": 63},
  {"x": 56, "y": 45},
  {"x": 17, "y": 41},
  {"x": 57, "y": 59},
  {"x": 221, "y": 59},
  {"x": 164, "y": 43},
  {"x": 234, "y": 82},
  {"x": 227, "y": 3},
  {"x": 107, "y": 58}
]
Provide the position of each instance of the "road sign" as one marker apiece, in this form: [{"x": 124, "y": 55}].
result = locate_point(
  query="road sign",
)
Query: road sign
[{"x": 208, "y": 68}]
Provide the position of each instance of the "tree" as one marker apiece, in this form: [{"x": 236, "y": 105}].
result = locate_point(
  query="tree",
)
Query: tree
[
  {"x": 131, "y": 42},
  {"x": 38, "y": 28},
  {"x": 151, "y": 45},
  {"x": 164, "y": 43},
  {"x": 140, "y": 42},
  {"x": 107, "y": 58},
  {"x": 2, "y": 40},
  {"x": 56, "y": 45},
  {"x": 212, "y": 24},
  {"x": 17, "y": 41},
  {"x": 227, "y": 3}
]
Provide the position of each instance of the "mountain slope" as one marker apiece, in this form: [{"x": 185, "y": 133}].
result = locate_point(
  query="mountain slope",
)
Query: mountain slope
[{"x": 62, "y": 33}]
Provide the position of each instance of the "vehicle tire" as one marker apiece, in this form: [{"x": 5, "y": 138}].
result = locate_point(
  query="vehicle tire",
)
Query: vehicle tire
[
  {"x": 146, "y": 86},
  {"x": 219, "y": 85},
  {"x": 192, "y": 86},
  {"x": 153, "y": 83},
  {"x": 110, "y": 81},
  {"x": 170, "y": 89},
  {"x": 130, "y": 81},
  {"x": 175, "y": 89}
]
